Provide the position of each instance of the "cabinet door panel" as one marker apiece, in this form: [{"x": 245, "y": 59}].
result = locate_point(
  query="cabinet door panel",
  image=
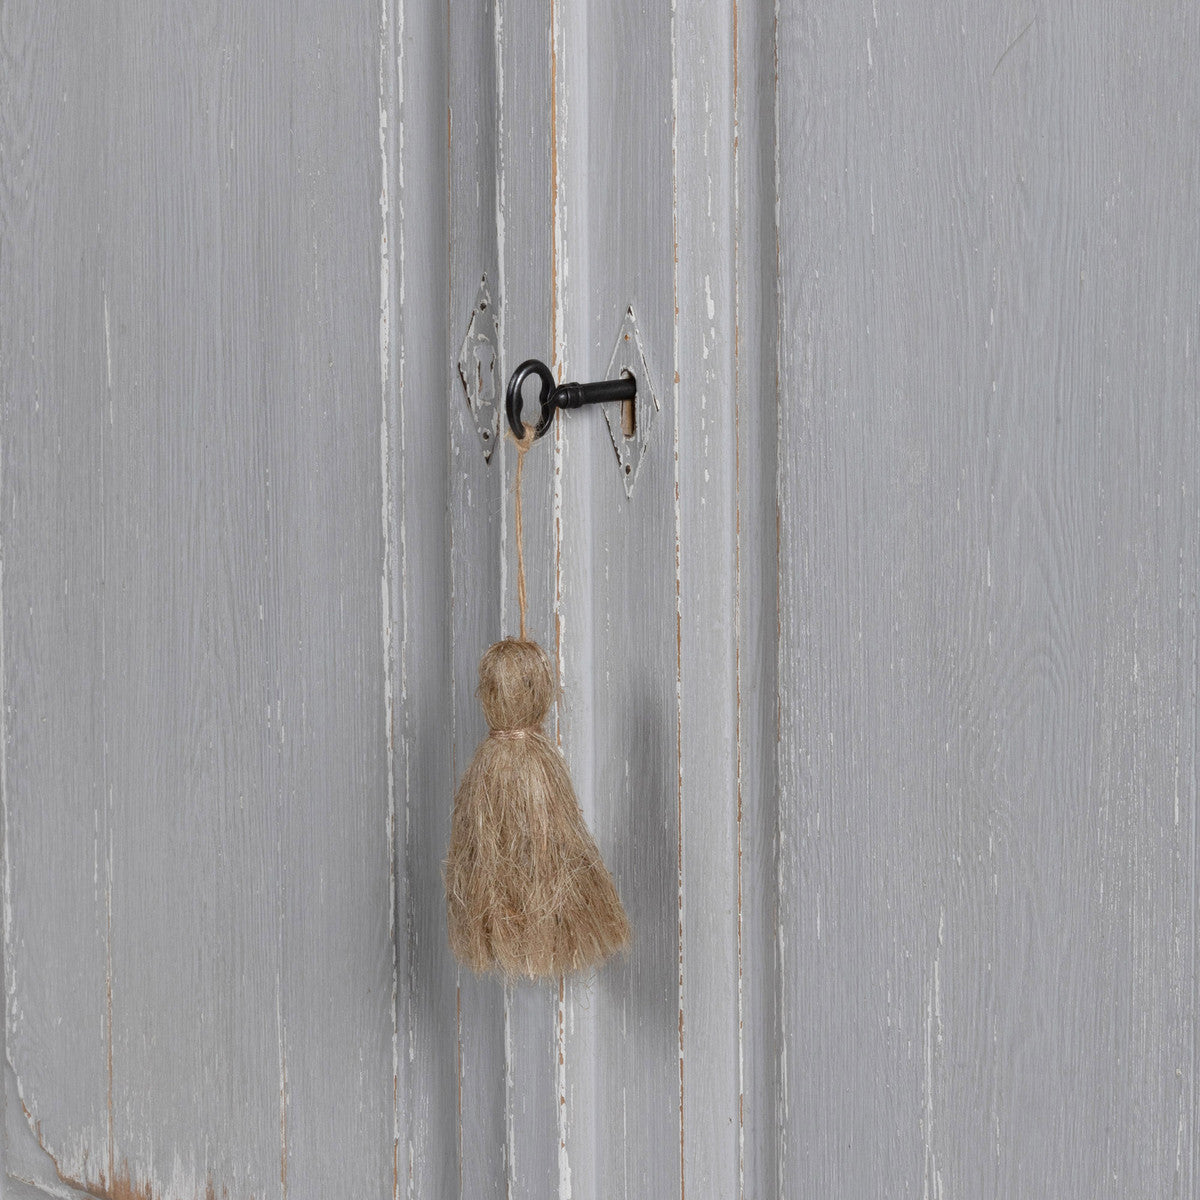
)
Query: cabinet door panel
[
  {"x": 988, "y": 599},
  {"x": 198, "y": 951}
]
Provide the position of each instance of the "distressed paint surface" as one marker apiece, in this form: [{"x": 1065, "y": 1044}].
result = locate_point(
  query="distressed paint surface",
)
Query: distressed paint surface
[
  {"x": 198, "y": 954},
  {"x": 988, "y": 572},
  {"x": 879, "y": 688},
  {"x": 631, "y": 423},
  {"x": 479, "y": 369},
  {"x": 526, "y": 245},
  {"x": 475, "y": 525},
  {"x": 617, "y": 252},
  {"x": 756, "y": 258},
  {"x": 706, "y": 415},
  {"x": 428, "y": 1094}
]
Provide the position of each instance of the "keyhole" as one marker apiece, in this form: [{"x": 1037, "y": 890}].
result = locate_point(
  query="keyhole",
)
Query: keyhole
[
  {"x": 628, "y": 414},
  {"x": 531, "y": 400},
  {"x": 485, "y": 363}
]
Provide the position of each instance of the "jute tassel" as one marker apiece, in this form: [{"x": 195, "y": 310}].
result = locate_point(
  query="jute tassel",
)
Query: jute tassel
[{"x": 526, "y": 890}]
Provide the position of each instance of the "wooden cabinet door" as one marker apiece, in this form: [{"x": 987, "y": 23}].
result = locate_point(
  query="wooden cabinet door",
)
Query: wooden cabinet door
[{"x": 876, "y": 618}]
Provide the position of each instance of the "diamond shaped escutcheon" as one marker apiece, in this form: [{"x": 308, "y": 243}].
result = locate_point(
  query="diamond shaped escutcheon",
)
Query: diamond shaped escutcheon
[
  {"x": 629, "y": 424},
  {"x": 479, "y": 369}
]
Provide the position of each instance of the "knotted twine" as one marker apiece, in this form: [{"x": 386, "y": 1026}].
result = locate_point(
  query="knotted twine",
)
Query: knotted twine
[{"x": 527, "y": 892}]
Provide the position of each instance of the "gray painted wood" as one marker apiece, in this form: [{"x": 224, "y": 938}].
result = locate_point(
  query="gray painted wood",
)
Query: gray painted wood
[
  {"x": 618, "y": 252},
  {"x": 532, "y": 1032},
  {"x": 428, "y": 1106},
  {"x": 475, "y": 529},
  {"x": 707, "y": 415},
  {"x": 988, "y": 601},
  {"x": 198, "y": 953},
  {"x": 879, "y": 690},
  {"x": 756, "y": 256},
  {"x": 500, "y": 199}
]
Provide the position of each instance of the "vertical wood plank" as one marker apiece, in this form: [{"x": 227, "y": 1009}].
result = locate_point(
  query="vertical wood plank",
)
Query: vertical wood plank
[
  {"x": 337, "y": 865},
  {"x": 214, "y": 368},
  {"x": 756, "y": 253},
  {"x": 56, "y": 887},
  {"x": 526, "y": 289},
  {"x": 703, "y": 67},
  {"x": 394, "y": 615},
  {"x": 579, "y": 1140},
  {"x": 425, "y": 777},
  {"x": 476, "y": 531},
  {"x": 617, "y": 249},
  {"x": 988, "y": 572}
]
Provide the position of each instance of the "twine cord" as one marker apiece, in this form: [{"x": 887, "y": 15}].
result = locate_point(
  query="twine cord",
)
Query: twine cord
[{"x": 523, "y": 444}]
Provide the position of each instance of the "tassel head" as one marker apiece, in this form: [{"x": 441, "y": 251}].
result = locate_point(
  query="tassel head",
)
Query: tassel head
[{"x": 516, "y": 685}]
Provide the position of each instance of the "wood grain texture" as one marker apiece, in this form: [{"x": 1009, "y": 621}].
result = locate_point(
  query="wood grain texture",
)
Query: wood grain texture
[
  {"x": 56, "y": 886},
  {"x": 756, "y": 259},
  {"x": 198, "y": 961},
  {"x": 706, "y": 414},
  {"x": 581, "y": 1126},
  {"x": 526, "y": 244},
  {"x": 879, "y": 691},
  {"x": 618, "y": 251},
  {"x": 475, "y": 516},
  {"x": 988, "y": 601},
  {"x": 428, "y": 1153}
]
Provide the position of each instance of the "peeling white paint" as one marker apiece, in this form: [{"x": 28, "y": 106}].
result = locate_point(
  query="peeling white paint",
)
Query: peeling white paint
[
  {"x": 387, "y": 524},
  {"x": 560, "y": 1078},
  {"x": 107, "y": 357}
]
